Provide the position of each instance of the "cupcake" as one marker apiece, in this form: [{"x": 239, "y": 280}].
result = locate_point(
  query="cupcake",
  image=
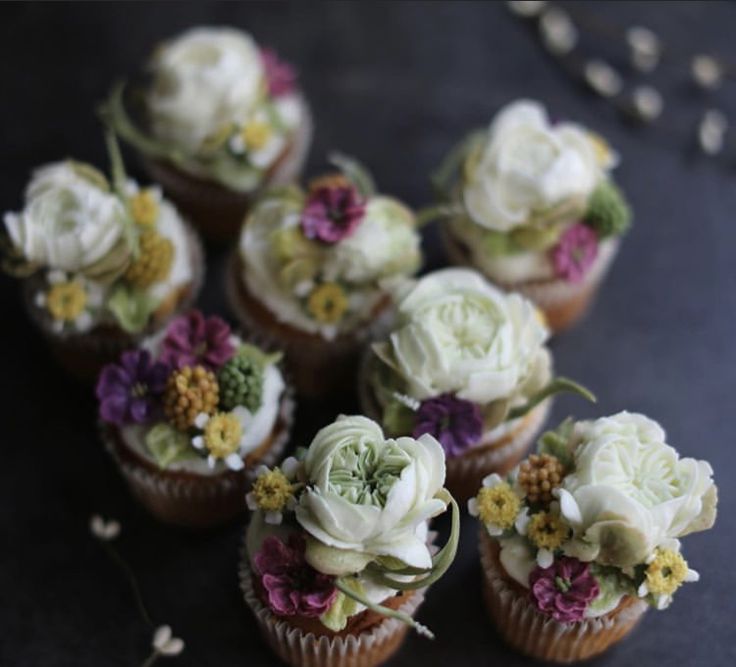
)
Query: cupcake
[
  {"x": 218, "y": 119},
  {"x": 337, "y": 554},
  {"x": 189, "y": 415},
  {"x": 103, "y": 263},
  {"x": 467, "y": 364},
  {"x": 314, "y": 272},
  {"x": 532, "y": 204},
  {"x": 583, "y": 537}
]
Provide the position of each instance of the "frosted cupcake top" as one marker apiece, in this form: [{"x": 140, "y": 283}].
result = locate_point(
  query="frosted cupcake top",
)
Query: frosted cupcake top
[
  {"x": 195, "y": 397},
  {"x": 218, "y": 106},
  {"x": 462, "y": 359},
  {"x": 102, "y": 252},
  {"x": 323, "y": 260},
  {"x": 597, "y": 515},
  {"x": 533, "y": 199},
  {"x": 344, "y": 527}
]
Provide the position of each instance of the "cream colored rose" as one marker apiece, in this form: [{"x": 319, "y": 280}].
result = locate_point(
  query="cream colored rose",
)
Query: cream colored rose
[
  {"x": 528, "y": 165},
  {"x": 202, "y": 80},
  {"x": 457, "y": 333},
  {"x": 631, "y": 492},
  {"x": 69, "y": 221}
]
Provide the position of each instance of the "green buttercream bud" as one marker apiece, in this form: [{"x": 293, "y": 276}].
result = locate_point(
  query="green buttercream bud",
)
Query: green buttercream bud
[
  {"x": 608, "y": 213},
  {"x": 398, "y": 419},
  {"x": 241, "y": 380},
  {"x": 536, "y": 239},
  {"x": 167, "y": 445},
  {"x": 131, "y": 307},
  {"x": 612, "y": 585},
  {"x": 337, "y": 562},
  {"x": 336, "y": 617}
]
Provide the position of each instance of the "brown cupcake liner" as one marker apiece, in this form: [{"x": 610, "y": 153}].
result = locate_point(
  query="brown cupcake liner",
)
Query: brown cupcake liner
[
  {"x": 319, "y": 367},
  {"x": 465, "y": 473},
  {"x": 368, "y": 640},
  {"x": 539, "y": 636},
  {"x": 217, "y": 211},
  {"x": 82, "y": 355},
  {"x": 564, "y": 303},
  {"x": 190, "y": 499}
]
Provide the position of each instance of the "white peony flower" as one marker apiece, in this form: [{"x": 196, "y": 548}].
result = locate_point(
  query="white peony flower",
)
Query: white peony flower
[
  {"x": 69, "y": 222},
  {"x": 370, "y": 496},
  {"x": 203, "y": 80},
  {"x": 529, "y": 165},
  {"x": 458, "y": 333},
  {"x": 631, "y": 492}
]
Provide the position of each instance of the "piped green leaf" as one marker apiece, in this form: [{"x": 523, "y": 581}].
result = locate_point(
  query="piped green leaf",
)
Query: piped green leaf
[
  {"x": 167, "y": 445},
  {"x": 443, "y": 176},
  {"x": 132, "y": 308},
  {"x": 556, "y": 386}
]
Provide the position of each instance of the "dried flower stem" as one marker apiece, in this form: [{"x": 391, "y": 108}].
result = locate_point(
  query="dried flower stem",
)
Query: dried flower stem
[{"x": 130, "y": 575}]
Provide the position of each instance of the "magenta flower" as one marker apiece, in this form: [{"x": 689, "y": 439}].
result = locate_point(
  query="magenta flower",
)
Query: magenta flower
[
  {"x": 575, "y": 252},
  {"x": 293, "y": 587},
  {"x": 193, "y": 339},
  {"x": 564, "y": 589},
  {"x": 280, "y": 75},
  {"x": 332, "y": 213},
  {"x": 130, "y": 392},
  {"x": 455, "y": 423}
]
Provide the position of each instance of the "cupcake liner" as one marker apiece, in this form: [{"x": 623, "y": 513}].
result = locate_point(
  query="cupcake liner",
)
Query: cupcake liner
[
  {"x": 564, "y": 303},
  {"x": 189, "y": 499},
  {"x": 538, "y": 635},
  {"x": 217, "y": 211},
  {"x": 319, "y": 367},
  {"x": 465, "y": 473},
  {"x": 301, "y": 648},
  {"x": 82, "y": 355}
]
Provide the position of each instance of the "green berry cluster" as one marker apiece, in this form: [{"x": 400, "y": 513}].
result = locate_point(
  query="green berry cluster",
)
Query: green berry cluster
[
  {"x": 608, "y": 213},
  {"x": 241, "y": 382}
]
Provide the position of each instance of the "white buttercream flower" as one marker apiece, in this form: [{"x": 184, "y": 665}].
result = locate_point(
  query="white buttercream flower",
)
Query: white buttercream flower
[
  {"x": 369, "y": 495},
  {"x": 69, "y": 222},
  {"x": 630, "y": 492},
  {"x": 203, "y": 80},
  {"x": 528, "y": 165},
  {"x": 457, "y": 333}
]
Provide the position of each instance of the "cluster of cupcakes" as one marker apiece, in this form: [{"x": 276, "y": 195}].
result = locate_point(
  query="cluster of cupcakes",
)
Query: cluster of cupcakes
[{"x": 452, "y": 370}]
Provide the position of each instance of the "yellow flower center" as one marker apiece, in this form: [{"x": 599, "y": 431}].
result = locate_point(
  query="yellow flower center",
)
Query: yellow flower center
[
  {"x": 547, "y": 530},
  {"x": 666, "y": 572},
  {"x": 255, "y": 135},
  {"x": 144, "y": 208},
  {"x": 222, "y": 434},
  {"x": 327, "y": 303},
  {"x": 66, "y": 301},
  {"x": 498, "y": 505},
  {"x": 272, "y": 491}
]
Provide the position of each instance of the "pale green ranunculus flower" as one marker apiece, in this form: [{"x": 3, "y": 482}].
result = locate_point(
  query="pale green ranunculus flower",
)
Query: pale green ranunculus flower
[
  {"x": 370, "y": 497},
  {"x": 458, "y": 333},
  {"x": 630, "y": 491}
]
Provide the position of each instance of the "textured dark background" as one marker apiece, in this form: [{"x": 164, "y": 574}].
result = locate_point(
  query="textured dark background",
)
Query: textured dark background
[{"x": 395, "y": 85}]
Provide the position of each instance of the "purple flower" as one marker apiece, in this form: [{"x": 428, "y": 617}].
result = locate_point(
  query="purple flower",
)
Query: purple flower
[
  {"x": 193, "y": 339},
  {"x": 575, "y": 252},
  {"x": 130, "y": 391},
  {"x": 280, "y": 75},
  {"x": 293, "y": 587},
  {"x": 455, "y": 423},
  {"x": 332, "y": 213},
  {"x": 564, "y": 589}
]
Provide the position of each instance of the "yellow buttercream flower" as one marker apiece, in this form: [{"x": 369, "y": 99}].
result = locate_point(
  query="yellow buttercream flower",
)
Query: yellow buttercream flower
[
  {"x": 222, "y": 434},
  {"x": 547, "y": 530},
  {"x": 328, "y": 303},
  {"x": 66, "y": 300},
  {"x": 498, "y": 505},
  {"x": 272, "y": 491},
  {"x": 666, "y": 573},
  {"x": 144, "y": 208},
  {"x": 256, "y": 134}
]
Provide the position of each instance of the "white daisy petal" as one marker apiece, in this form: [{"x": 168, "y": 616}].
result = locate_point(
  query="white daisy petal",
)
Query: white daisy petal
[
  {"x": 234, "y": 462},
  {"x": 55, "y": 277},
  {"x": 492, "y": 480},
  {"x": 198, "y": 442},
  {"x": 161, "y": 637},
  {"x": 692, "y": 575},
  {"x": 545, "y": 558},
  {"x": 40, "y": 299},
  {"x": 250, "y": 501},
  {"x": 200, "y": 421},
  {"x": 473, "y": 507},
  {"x": 211, "y": 461},
  {"x": 290, "y": 467},
  {"x": 273, "y": 518}
]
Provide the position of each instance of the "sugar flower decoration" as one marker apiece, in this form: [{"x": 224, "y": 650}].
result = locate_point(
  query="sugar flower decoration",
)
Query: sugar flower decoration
[
  {"x": 666, "y": 571},
  {"x": 164, "y": 643},
  {"x": 193, "y": 340},
  {"x": 575, "y": 252},
  {"x": 327, "y": 303},
  {"x": 104, "y": 530},
  {"x": 291, "y": 585},
  {"x": 563, "y": 590},
  {"x": 332, "y": 213},
  {"x": 496, "y": 505},
  {"x": 280, "y": 75},
  {"x": 454, "y": 422},
  {"x": 222, "y": 436},
  {"x": 273, "y": 490},
  {"x": 69, "y": 300},
  {"x": 130, "y": 392}
]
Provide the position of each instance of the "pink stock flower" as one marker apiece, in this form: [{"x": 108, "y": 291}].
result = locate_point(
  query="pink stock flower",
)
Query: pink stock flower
[
  {"x": 332, "y": 213},
  {"x": 193, "y": 339},
  {"x": 280, "y": 75},
  {"x": 564, "y": 589},
  {"x": 575, "y": 252}
]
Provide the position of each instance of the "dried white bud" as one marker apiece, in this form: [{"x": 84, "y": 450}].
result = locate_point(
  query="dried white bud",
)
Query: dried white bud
[
  {"x": 707, "y": 72},
  {"x": 559, "y": 33},
  {"x": 526, "y": 8},
  {"x": 647, "y": 103},
  {"x": 645, "y": 48},
  {"x": 602, "y": 78},
  {"x": 711, "y": 131}
]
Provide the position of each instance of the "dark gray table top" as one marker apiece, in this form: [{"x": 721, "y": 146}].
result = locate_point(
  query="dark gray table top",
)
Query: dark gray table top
[{"x": 395, "y": 85}]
